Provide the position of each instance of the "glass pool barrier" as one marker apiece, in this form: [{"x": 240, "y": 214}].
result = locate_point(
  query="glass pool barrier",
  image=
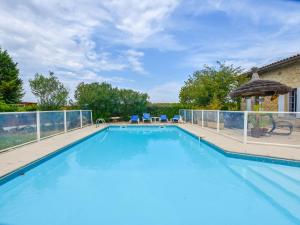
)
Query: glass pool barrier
[
  {"x": 260, "y": 127},
  {"x": 18, "y": 128}
]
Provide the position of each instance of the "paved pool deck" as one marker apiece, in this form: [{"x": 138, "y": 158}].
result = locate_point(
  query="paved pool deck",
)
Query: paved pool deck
[
  {"x": 19, "y": 157},
  {"x": 230, "y": 145}
]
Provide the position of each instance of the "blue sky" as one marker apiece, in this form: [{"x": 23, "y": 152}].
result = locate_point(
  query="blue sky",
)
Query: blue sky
[{"x": 147, "y": 45}]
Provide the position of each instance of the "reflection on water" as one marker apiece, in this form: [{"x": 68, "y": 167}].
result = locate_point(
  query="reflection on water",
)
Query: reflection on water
[{"x": 151, "y": 175}]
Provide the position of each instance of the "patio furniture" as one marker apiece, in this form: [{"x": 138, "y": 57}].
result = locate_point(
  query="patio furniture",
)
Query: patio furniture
[
  {"x": 134, "y": 119},
  {"x": 115, "y": 119},
  {"x": 146, "y": 117},
  {"x": 163, "y": 118},
  {"x": 281, "y": 124},
  {"x": 155, "y": 119},
  {"x": 176, "y": 119}
]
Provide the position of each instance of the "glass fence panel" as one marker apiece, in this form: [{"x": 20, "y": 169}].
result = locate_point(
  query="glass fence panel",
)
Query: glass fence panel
[
  {"x": 197, "y": 117},
  {"x": 274, "y": 128},
  {"x": 188, "y": 115},
  {"x": 51, "y": 123},
  {"x": 73, "y": 119},
  {"x": 86, "y": 118},
  {"x": 182, "y": 114},
  {"x": 232, "y": 124},
  {"x": 17, "y": 128},
  {"x": 210, "y": 119}
]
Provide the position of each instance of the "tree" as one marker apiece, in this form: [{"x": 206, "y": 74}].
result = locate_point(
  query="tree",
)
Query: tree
[
  {"x": 132, "y": 102},
  {"x": 51, "y": 93},
  {"x": 11, "y": 91},
  {"x": 106, "y": 101},
  {"x": 210, "y": 87}
]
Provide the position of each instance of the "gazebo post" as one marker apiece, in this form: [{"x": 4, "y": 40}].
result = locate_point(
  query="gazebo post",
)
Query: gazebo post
[{"x": 245, "y": 126}]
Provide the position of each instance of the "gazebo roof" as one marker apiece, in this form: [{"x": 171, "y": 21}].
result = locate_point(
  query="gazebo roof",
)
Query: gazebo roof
[{"x": 258, "y": 87}]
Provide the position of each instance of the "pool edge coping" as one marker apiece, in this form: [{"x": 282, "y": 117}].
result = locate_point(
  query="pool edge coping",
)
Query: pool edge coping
[
  {"x": 24, "y": 168},
  {"x": 245, "y": 156}
]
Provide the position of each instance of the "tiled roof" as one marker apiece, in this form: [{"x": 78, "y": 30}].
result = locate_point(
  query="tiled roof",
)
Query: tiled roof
[{"x": 277, "y": 64}]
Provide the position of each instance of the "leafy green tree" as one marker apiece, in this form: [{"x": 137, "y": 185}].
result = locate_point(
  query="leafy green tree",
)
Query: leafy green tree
[
  {"x": 106, "y": 101},
  {"x": 51, "y": 93},
  {"x": 11, "y": 91},
  {"x": 132, "y": 102},
  {"x": 210, "y": 87}
]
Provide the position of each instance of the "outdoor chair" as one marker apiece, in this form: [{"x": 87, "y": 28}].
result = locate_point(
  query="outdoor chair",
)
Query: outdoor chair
[
  {"x": 146, "y": 117},
  {"x": 134, "y": 119},
  {"x": 276, "y": 125},
  {"x": 176, "y": 119},
  {"x": 163, "y": 118}
]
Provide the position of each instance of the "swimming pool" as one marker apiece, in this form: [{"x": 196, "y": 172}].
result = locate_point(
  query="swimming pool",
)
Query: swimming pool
[{"x": 140, "y": 175}]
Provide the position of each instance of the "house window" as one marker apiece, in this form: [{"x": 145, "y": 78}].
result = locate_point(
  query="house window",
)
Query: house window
[{"x": 293, "y": 100}]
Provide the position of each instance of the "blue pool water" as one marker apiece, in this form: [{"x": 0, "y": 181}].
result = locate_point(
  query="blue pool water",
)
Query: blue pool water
[{"x": 151, "y": 176}]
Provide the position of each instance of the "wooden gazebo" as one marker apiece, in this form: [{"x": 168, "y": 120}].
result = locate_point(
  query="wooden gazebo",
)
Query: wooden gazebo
[{"x": 259, "y": 87}]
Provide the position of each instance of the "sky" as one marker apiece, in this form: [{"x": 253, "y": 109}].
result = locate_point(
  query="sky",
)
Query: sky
[{"x": 151, "y": 46}]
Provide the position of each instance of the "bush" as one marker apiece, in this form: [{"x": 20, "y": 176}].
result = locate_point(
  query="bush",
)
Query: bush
[
  {"x": 7, "y": 108},
  {"x": 16, "y": 108},
  {"x": 169, "y": 109}
]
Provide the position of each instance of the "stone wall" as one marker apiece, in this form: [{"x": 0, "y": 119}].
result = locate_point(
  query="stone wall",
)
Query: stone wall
[
  {"x": 270, "y": 105},
  {"x": 289, "y": 75},
  {"x": 267, "y": 104}
]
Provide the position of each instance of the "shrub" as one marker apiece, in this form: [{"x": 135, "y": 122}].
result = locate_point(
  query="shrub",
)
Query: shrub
[{"x": 169, "y": 109}]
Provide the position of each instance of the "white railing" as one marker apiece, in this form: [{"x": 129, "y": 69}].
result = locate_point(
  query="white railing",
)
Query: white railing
[
  {"x": 19, "y": 128},
  {"x": 262, "y": 127}
]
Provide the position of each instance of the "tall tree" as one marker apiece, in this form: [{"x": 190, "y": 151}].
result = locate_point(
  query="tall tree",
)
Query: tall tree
[
  {"x": 106, "y": 101},
  {"x": 210, "y": 87},
  {"x": 10, "y": 84},
  {"x": 51, "y": 93}
]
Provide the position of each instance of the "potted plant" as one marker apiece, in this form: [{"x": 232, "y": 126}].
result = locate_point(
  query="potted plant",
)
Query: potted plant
[{"x": 258, "y": 129}]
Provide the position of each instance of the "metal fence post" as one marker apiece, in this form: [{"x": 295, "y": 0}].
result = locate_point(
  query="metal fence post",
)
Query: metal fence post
[
  {"x": 92, "y": 117},
  {"x": 218, "y": 121},
  {"x": 65, "y": 120},
  {"x": 80, "y": 118},
  {"x": 245, "y": 126},
  {"x": 184, "y": 116},
  {"x": 192, "y": 116},
  {"x": 38, "y": 126},
  {"x": 202, "y": 116}
]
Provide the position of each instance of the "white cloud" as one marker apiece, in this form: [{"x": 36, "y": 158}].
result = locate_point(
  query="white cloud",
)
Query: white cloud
[
  {"x": 66, "y": 35},
  {"x": 268, "y": 36},
  {"x": 244, "y": 53},
  {"x": 272, "y": 12},
  {"x": 140, "y": 19},
  {"x": 88, "y": 39},
  {"x": 134, "y": 60},
  {"x": 166, "y": 92}
]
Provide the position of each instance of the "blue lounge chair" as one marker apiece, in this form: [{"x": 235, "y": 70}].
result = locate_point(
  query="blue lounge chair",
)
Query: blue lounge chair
[
  {"x": 146, "y": 117},
  {"x": 176, "y": 118},
  {"x": 134, "y": 119},
  {"x": 163, "y": 118}
]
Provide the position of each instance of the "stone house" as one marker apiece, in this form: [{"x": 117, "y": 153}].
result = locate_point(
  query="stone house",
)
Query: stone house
[{"x": 286, "y": 71}]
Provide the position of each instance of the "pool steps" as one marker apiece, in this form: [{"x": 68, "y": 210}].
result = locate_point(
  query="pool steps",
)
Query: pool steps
[
  {"x": 291, "y": 188},
  {"x": 288, "y": 174},
  {"x": 288, "y": 202}
]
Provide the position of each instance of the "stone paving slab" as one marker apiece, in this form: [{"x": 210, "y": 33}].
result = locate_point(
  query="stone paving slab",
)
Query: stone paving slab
[{"x": 231, "y": 145}]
